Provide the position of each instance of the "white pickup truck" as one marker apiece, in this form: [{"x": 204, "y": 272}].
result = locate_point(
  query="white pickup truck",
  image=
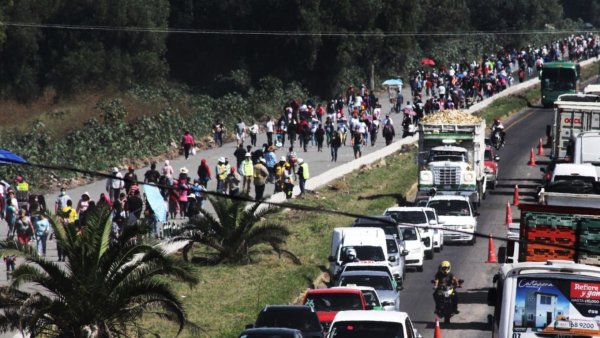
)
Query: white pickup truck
[{"x": 455, "y": 213}]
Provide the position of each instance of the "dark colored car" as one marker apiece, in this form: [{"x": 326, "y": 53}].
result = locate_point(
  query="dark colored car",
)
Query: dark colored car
[
  {"x": 299, "y": 317},
  {"x": 271, "y": 332}
]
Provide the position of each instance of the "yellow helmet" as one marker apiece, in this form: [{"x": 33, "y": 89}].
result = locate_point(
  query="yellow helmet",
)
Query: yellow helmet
[{"x": 445, "y": 266}]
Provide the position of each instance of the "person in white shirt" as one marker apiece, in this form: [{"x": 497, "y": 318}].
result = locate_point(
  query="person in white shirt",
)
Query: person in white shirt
[
  {"x": 253, "y": 133},
  {"x": 269, "y": 125}
]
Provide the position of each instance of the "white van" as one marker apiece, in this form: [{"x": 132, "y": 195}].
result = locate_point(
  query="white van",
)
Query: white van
[
  {"x": 370, "y": 245},
  {"x": 546, "y": 299}
]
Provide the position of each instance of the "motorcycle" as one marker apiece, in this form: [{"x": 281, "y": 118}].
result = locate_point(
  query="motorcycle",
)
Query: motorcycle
[
  {"x": 497, "y": 140},
  {"x": 445, "y": 293}
]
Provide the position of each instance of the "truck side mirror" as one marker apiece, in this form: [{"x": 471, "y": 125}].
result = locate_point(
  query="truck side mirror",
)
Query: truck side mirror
[{"x": 433, "y": 222}]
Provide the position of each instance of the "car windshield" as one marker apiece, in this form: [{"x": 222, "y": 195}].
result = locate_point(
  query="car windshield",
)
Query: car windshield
[
  {"x": 305, "y": 321},
  {"x": 376, "y": 282},
  {"x": 334, "y": 301},
  {"x": 368, "y": 267},
  {"x": 388, "y": 229},
  {"x": 368, "y": 253},
  {"x": 487, "y": 155},
  {"x": 371, "y": 298},
  {"x": 356, "y": 329},
  {"x": 409, "y": 234},
  {"x": 564, "y": 178},
  {"x": 411, "y": 217},
  {"x": 558, "y": 79},
  {"x": 392, "y": 246},
  {"x": 450, "y": 207}
]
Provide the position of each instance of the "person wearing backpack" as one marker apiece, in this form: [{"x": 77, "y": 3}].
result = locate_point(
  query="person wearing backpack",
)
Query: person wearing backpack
[{"x": 388, "y": 133}]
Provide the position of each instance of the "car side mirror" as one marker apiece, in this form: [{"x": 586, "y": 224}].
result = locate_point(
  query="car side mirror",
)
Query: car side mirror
[
  {"x": 331, "y": 259},
  {"x": 387, "y": 303},
  {"x": 404, "y": 253},
  {"x": 440, "y": 222},
  {"x": 392, "y": 259},
  {"x": 497, "y": 158},
  {"x": 368, "y": 307},
  {"x": 433, "y": 222}
]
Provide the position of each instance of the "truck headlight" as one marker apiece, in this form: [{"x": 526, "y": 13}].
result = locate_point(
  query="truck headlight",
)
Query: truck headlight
[
  {"x": 426, "y": 177},
  {"x": 469, "y": 177}
]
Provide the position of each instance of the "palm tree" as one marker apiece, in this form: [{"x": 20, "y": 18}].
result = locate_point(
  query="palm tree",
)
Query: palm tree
[
  {"x": 102, "y": 291},
  {"x": 236, "y": 230}
]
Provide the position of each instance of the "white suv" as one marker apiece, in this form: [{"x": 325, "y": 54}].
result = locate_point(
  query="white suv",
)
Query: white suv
[
  {"x": 418, "y": 217},
  {"x": 456, "y": 213}
]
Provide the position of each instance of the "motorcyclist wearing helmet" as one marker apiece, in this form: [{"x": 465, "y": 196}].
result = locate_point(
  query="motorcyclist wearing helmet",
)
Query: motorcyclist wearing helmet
[
  {"x": 350, "y": 256},
  {"x": 499, "y": 127},
  {"x": 445, "y": 277}
]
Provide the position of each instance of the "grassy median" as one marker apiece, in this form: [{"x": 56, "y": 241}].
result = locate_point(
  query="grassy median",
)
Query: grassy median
[{"x": 230, "y": 296}]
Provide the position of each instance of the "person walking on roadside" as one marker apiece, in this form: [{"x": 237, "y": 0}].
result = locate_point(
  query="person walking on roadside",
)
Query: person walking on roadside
[
  {"x": 152, "y": 175},
  {"x": 187, "y": 142},
  {"x": 270, "y": 126},
  {"x": 11, "y": 213},
  {"x": 61, "y": 200},
  {"x": 183, "y": 186},
  {"x": 336, "y": 143},
  {"x": 167, "y": 172},
  {"x": 240, "y": 131},
  {"x": 114, "y": 184},
  {"x": 303, "y": 175},
  {"x": 271, "y": 160},
  {"x": 280, "y": 174},
  {"x": 24, "y": 227},
  {"x": 288, "y": 181},
  {"x": 260, "y": 178},
  {"x": 218, "y": 129},
  {"x": 253, "y": 133},
  {"x": 42, "y": 229},
  {"x": 204, "y": 173},
  {"x": 130, "y": 179},
  {"x": 388, "y": 132},
  {"x": 320, "y": 137},
  {"x": 220, "y": 174},
  {"x": 247, "y": 173},
  {"x": 357, "y": 141},
  {"x": 239, "y": 154},
  {"x": 232, "y": 182}
]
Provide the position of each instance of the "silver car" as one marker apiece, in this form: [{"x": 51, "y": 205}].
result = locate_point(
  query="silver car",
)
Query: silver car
[{"x": 385, "y": 286}]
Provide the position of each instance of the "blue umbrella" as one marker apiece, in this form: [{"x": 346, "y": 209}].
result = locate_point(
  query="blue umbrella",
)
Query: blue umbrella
[
  {"x": 393, "y": 82},
  {"x": 7, "y": 157}
]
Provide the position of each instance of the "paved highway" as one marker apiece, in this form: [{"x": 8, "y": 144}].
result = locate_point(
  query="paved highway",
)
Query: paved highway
[{"x": 468, "y": 262}]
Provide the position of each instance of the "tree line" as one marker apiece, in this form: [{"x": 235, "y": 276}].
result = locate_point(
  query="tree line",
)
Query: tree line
[{"x": 57, "y": 48}]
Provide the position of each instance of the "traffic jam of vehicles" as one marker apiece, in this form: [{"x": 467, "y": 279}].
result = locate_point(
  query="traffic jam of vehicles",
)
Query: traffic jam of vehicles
[{"x": 548, "y": 280}]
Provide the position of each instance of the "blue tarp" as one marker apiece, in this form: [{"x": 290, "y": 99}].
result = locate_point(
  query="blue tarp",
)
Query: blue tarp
[
  {"x": 7, "y": 157},
  {"x": 157, "y": 203}
]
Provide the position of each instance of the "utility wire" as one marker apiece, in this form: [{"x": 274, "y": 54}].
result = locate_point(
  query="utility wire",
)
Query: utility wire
[
  {"x": 160, "y": 30},
  {"x": 294, "y": 206}
]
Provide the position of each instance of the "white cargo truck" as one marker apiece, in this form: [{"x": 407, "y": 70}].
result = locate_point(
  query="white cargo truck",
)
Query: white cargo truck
[
  {"x": 573, "y": 114},
  {"x": 451, "y": 160}
]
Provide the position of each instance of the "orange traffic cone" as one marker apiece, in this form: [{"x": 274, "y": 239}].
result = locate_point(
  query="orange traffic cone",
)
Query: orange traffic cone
[
  {"x": 540, "y": 148},
  {"x": 508, "y": 214},
  {"x": 532, "y": 158},
  {"x": 438, "y": 332},
  {"x": 516, "y": 196},
  {"x": 492, "y": 251}
]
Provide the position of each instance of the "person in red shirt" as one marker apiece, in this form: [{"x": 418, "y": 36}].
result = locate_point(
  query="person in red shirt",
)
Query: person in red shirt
[{"x": 187, "y": 142}]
